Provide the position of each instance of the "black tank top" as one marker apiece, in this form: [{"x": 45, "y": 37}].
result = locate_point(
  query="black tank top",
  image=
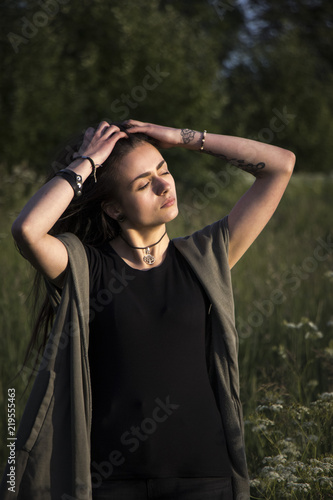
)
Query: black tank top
[{"x": 154, "y": 411}]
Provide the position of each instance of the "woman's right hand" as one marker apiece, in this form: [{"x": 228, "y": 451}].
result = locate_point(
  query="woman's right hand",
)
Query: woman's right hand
[
  {"x": 30, "y": 230},
  {"x": 99, "y": 143}
]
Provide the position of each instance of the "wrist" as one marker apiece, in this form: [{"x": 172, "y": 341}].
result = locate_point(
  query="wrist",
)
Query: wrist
[
  {"x": 82, "y": 167},
  {"x": 85, "y": 166},
  {"x": 93, "y": 165},
  {"x": 191, "y": 139}
]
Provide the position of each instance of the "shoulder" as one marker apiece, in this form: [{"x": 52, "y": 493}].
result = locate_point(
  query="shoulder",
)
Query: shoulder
[
  {"x": 206, "y": 251},
  {"x": 72, "y": 243},
  {"x": 214, "y": 236},
  {"x": 77, "y": 248}
]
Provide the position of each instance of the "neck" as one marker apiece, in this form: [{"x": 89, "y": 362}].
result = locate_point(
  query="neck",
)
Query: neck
[
  {"x": 143, "y": 239},
  {"x": 155, "y": 239}
]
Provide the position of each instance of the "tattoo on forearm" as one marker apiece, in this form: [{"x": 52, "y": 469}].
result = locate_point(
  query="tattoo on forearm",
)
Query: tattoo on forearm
[
  {"x": 252, "y": 168},
  {"x": 187, "y": 135}
]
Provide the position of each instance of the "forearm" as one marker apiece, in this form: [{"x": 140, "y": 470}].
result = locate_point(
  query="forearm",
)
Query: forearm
[
  {"x": 255, "y": 157},
  {"x": 46, "y": 206}
]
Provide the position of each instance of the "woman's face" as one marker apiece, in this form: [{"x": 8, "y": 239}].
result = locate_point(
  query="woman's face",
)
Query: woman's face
[{"x": 146, "y": 189}]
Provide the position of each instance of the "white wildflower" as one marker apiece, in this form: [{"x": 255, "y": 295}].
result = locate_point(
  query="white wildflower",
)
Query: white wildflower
[
  {"x": 317, "y": 471},
  {"x": 313, "y": 335},
  {"x": 313, "y": 438},
  {"x": 312, "y": 325},
  {"x": 288, "y": 447},
  {"x": 262, "y": 408},
  {"x": 282, "y": 352},
  {"x": 307, "y": 426},
  {"x": 300, "y": 487},
  {"x": 292, "y": 325},
  {"x": 326, "y": 396},
  {"x": 325, "y": 481},
  {"x": 255, "y": 483},
  {"x": 304, "y": 409},
  {"x": 261, "y": 427},
  {"x": 312, "y": 383},
  {"x": 273, "y": 407},
  {"x": 276, "y": 408},
  {"x": 270, "y": 473},
  {"x": 278, "y": 459}
]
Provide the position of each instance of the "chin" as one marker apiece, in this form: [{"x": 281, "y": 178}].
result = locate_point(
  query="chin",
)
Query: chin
[{"x": 173, "y": 214}]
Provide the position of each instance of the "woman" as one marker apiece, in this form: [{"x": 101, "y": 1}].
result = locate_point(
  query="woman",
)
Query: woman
[{"x": 165, "y": 416}]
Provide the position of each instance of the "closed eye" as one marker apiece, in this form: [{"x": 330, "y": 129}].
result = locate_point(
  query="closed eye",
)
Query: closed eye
[
  {"x": 147, "y": 184},
  {"x": 143, "y": 187}
]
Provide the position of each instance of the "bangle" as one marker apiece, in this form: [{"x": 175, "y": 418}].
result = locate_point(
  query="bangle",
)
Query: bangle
[
  {"x": 203, "y": 140},
  {"x": 93, "y": 165},
  {"x": 75, "y": 180}
]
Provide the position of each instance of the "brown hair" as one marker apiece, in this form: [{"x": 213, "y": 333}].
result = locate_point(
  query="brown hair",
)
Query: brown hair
[
  {"x": 84, "y": 216},
  {"x": 86, "y": 219}
]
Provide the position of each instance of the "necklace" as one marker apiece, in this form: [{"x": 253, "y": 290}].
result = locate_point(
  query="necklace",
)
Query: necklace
[{"x": 148, "y": 258}]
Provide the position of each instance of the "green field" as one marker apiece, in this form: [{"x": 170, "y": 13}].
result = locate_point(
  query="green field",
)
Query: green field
[{"x": 283, "y": 296}]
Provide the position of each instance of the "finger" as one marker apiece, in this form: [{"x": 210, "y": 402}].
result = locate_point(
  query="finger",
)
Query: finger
[
  {"x": 102, "y": 127},
  {"x": 113, "y": 129},
  {"x": 114, "y": 138},
  {"x": 118, "y": 135},
  {"x": 90, "y": 131},
  {"x": 134, "y": 129},
  {"x": 132, "y": 123},
  {"x": 88, "y": 135}
]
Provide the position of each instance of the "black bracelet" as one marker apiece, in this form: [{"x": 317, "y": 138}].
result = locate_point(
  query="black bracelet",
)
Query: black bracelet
[{"x": 75, "y": 180}]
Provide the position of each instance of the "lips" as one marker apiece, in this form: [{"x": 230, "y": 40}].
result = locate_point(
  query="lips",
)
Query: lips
[{"x": 169, "y": 202}]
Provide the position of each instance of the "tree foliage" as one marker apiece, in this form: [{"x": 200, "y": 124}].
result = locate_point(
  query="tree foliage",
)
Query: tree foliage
[{"x": 261, "y": 69}]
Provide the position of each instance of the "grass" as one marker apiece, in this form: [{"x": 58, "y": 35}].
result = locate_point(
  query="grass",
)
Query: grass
[{"x": 283, "y": 296}]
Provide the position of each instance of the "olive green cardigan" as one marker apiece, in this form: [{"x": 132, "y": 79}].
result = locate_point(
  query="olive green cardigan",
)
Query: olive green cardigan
[{"x": 53, "y": 440}]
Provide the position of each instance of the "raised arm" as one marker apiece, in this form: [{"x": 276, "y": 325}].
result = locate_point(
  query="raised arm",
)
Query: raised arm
[
  {"x": 30, "y": 230},
  {"x": 271, "y": 166}
]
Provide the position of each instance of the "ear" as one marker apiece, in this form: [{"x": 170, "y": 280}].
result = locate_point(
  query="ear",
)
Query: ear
[{"x": 112, "y": 209}]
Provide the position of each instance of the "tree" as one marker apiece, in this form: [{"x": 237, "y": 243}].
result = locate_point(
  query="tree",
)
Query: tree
[
  {"x": 101, "y": 59},
  {"x": 287, "y": 71}
]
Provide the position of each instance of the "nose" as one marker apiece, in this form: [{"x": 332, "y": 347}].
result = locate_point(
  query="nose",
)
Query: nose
[{"x": 163, "y": 187}]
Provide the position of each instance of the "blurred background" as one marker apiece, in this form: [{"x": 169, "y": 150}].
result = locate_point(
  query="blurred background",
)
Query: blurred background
[{"x": 261, "y": 69}]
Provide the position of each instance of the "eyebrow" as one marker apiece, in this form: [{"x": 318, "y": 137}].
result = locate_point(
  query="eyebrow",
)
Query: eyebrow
[{"x": 146, "y": 174}]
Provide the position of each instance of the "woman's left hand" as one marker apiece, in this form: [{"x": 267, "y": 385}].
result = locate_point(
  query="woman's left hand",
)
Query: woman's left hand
[{"x": 167, "y": 137}]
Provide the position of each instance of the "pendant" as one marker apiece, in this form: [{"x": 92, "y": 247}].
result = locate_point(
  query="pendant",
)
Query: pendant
[{"x": 148, "y": 258}]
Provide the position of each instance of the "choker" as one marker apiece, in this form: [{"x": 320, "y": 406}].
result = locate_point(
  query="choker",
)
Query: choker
[{"x": 148, "y": 258}]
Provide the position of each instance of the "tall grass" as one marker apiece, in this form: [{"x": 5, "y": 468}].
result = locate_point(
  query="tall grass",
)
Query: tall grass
[{"x": 283, "y": 296}]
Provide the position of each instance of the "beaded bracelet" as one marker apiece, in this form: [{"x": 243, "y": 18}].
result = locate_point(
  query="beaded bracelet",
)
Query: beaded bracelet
[
  {"x": 75, "y": 180},
  {"x": 203, "y": 140}
]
